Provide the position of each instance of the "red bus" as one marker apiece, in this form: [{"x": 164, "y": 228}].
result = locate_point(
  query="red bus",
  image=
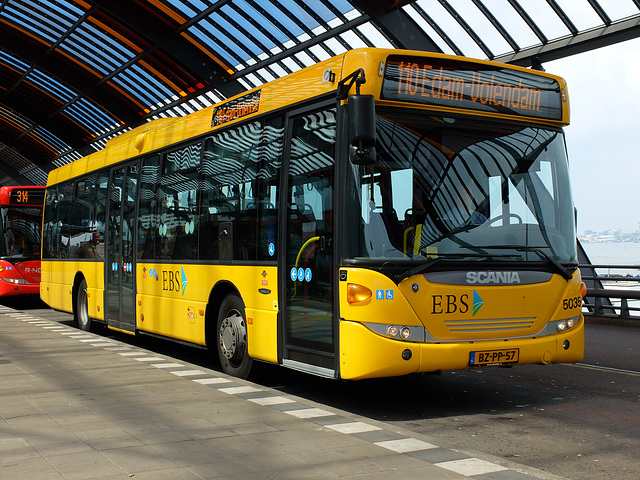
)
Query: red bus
[{"x": 20, "y": 227}]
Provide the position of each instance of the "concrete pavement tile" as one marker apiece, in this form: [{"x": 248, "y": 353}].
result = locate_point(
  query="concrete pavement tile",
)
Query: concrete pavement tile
[
  {"x": 251, "y": 428},
  {"x": 142, "y": 458},
  {"x": 64, "y": 448},
  {"x": 423, "y": 472},
  {"x": 120, "y": 440},
  {"x": 85, "y": 465},
  {"x": 189, "y": 452},
  {"x": 36, "y": 468},
  {"x": 437, "y": 455},
  {"x": 343, "y": 468},
  {"x": 378, "y": 436},
  {"x": 295, "y": 442},
  {"x": 15, "y": 449},
  {"x": 238, "y": 447},
  {"x": 272, "y": 462},
  {"x": 211, "y": 433},
  {"x": 227, "y": 468},
  {"x": 162, "y": 437},
  {"x": 303, "y": 472},
  {"x": 504, "y": 475},
  {"x": 166, "y": 474}
]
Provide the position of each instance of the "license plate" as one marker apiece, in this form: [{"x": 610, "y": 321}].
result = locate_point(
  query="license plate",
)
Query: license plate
[{"x": 493, "y": 357}]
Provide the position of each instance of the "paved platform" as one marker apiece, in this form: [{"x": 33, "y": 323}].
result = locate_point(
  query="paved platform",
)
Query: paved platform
[{"x": 76, "y": 405}]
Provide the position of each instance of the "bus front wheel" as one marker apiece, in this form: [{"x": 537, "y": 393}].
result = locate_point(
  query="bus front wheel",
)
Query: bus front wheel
[
  {"x": 82, "y": 317},
  {"x": 231, "y": 337}
]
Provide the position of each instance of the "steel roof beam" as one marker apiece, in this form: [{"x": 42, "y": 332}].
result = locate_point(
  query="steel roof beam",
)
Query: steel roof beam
[
  {"x": 396, "y": 25},
  {"x": 55, "y": 67},
  {"x": 140, "y": 20},
  {"x": 583, "y": 42}
]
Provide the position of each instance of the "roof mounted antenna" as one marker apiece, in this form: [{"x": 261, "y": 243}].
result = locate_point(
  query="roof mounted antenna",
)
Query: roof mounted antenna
[{"x": 346, "y": 83}]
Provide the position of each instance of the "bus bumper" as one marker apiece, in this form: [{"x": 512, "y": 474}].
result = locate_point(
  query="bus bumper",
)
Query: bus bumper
[
  {"x": 8, "y": 289},
  {"x": 365, "y": 354}
]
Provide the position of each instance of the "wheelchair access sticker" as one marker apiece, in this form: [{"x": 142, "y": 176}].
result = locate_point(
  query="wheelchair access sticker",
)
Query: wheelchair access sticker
[
  {"x": 384, "y": 294},
  {"x": 300, "y": 274}
]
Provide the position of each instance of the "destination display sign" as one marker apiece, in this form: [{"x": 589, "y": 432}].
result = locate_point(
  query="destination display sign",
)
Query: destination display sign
[
  {"x": 237, "y": 108},
  {"x": 472, "y": 86},
  {"x": 26, "y": 196}
]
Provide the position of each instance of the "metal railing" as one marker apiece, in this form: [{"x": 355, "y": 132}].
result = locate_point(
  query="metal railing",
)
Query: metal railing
[{"x": 615, "y": 295}]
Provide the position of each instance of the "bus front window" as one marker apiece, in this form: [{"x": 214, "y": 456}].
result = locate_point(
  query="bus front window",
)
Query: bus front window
[
  {"x": 20, "y": 233},
  {"x": 463, "y": 190}
]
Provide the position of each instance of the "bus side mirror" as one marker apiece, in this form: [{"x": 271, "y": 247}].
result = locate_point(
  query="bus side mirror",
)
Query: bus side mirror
[{"x": 362, "y": 129}]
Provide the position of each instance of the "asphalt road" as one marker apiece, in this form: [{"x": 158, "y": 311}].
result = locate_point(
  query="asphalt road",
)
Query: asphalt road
[{"x": 578, "y": 421}]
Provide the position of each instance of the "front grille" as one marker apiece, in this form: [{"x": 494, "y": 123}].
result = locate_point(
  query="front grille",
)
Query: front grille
[{"x": 492, "y": 325}]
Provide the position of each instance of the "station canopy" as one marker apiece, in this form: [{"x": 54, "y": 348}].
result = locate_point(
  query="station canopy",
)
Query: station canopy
[{"x": 75, "y": 73}]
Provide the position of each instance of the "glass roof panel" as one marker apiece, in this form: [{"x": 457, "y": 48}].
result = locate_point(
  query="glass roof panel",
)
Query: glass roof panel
[
  {"x": 250, "y": 25},
  {"x": 431, "y": 33},
  {"x": 619, "y": 9},
  {"x": 482, "y": 26},
  {"x": 270, "y": 25},
  {"x": 15, "y": 13},
  {"x": 12, "y": 61},
  {"x": 86, "y": 112},
  {"x": 453, "y": 29},
  {"x": 546, "y": 19},
  {"x": 513, "y": 23},
  {"x": 53, "y": 87},
  {"x": 237, "y": 36},
  {"x": 581, "y": 13},
  {"x": 185, "y": 7}
]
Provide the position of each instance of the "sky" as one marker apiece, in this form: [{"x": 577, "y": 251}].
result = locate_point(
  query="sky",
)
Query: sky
[{"x": 603, "y": 139}]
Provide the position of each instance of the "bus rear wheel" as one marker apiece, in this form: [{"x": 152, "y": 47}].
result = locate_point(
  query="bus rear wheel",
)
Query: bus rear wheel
[
  {"x": 81, "y": 312},
  {"x": 231, "y": 336}
]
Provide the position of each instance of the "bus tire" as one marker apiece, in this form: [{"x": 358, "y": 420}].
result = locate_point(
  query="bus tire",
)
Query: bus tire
[
  {"x": 81, "y": 312},
  {"x": 231, "y": 338}
]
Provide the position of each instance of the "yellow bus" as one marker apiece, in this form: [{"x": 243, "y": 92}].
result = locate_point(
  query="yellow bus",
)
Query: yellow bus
[{"x": 381, "y": 213}]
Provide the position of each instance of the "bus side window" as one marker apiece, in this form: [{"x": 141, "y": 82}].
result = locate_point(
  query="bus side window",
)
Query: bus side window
[
  {"x": 230, "y": 197},
  {"x": 267, "y": 198},
  {"x": 82, "y": 215},
  {"x": 49, "y": 231},
  {"x": 63, "y": 217},
  {"x": 149, "y": 176},
  {"x": 177, "y": 232}
]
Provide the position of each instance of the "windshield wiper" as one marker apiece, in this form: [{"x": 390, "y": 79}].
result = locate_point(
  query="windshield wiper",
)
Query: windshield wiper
[
  {"x": 565, "y": 272},
  {"x": 561, "y": 269},
  {"x": 423, "y": 267}
]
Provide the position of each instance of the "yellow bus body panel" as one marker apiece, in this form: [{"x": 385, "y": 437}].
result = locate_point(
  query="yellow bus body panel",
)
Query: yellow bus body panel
[
  {"x": 172, "y": 300},
  {"x": 365, "y": 353},
  {"x": 57, "y": 282}
]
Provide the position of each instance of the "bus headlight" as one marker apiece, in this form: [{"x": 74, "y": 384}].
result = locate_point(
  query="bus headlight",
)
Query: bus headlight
[
  {"x": 15, "y": 281},
  {"x": 405, "y": 332},
  {"x": 565, "y": 324}
]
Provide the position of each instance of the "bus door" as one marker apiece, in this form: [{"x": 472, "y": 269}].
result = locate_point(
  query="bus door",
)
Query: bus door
[
  {"x": 120, "y": 258},
  {"x": 309, "y": 326}
]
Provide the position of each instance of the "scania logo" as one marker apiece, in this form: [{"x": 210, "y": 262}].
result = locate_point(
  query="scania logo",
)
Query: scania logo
[{"x": 493, "y": 277}]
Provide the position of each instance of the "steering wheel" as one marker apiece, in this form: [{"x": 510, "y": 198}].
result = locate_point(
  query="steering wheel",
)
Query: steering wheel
[{"x": 505, "y": 216}]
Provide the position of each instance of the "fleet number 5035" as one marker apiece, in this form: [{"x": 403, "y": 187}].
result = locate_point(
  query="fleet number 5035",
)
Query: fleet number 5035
[{"x": 571, "y": 303}]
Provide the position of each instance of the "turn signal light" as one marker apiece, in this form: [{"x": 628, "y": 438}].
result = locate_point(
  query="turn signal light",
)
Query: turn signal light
[
  {"x": 357, "y": 293},
  {"x": 583, "y": 289}
]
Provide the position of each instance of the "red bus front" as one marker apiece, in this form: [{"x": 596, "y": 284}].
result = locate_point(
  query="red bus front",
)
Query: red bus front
[{"x": 20, "y": 239}]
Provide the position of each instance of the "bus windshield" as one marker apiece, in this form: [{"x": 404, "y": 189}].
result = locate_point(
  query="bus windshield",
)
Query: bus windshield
[
  {"x": 20, "y": 233},
  {"x": 462, "y": 189}
]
